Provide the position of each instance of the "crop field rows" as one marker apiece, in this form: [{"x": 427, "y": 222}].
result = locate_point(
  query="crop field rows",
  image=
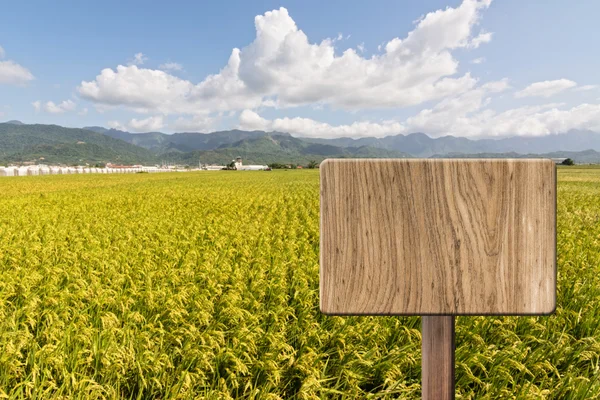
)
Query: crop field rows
[{"x": 206, "y": 285}]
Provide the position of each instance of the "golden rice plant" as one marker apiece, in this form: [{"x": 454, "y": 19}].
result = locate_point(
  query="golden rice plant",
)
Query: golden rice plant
[{"x": 205, "y": 285}]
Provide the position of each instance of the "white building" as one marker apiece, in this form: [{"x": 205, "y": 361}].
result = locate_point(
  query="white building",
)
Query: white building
[
  {"x": 7, "y": 171},
  {"x": 33, "y": 170},
  {"x": 240, "y": 167},
  {"x": 64, "y": 170},
  {"x": 23, "y": 171}
]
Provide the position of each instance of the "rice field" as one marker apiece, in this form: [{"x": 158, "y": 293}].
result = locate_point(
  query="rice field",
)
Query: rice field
[{"x": 206, "y": 285}]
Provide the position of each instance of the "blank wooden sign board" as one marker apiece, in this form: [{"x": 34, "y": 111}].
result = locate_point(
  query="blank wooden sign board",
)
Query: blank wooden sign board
[{"x": 438, "y": 238}]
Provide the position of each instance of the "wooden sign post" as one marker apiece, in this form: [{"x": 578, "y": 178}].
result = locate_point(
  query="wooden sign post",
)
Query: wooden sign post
[{"x": 438, "y": 238}]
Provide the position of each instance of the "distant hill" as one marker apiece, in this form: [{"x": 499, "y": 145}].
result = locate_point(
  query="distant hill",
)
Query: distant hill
[
  {"x": 417, "y": 144},
  {"x": 580, "y": 157},
  {"x": 160, "y": 142},
  {"x": 253, "y": 146},
  {"x": 14, "y": 122},
  {"x": 20, "y": 142},
  {"x": 279, "y": 148},
  {"x": 56, "y": 144},
  {"x": 421, "y": 145}
]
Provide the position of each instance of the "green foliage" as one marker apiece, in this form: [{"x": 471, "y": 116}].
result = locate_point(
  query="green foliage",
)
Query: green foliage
[
  {"x": 277, "y": 149},
  {"x": 416, "y": 144},
  {"x": 56, "y": 144},
  {"x": 568, "y": 161},
  {"x": 179, "y": 142},
  {"x": 206, "y": 285},
  {"x": 277, "y": 166}
]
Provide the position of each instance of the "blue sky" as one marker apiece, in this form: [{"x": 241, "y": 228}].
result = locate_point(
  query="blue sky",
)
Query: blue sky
[{"x": 327, "y": 69}]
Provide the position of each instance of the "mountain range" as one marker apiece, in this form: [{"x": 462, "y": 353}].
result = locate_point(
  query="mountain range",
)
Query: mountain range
[
  {"x": 52, "y": 144},
  {"x": 56, "y": 144},
  {"x": 421, "y": 145}
]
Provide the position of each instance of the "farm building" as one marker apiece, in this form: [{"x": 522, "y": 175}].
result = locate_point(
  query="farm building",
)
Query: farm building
[
  {"x": 240, "y": 167},
  {"x": 21, "y": 171},
  {"x": 212, "y": 167},
  {"x": 28, "y": 170},
  {"x": 33, "y": 170},
  {"x": 7, "y": 171}
]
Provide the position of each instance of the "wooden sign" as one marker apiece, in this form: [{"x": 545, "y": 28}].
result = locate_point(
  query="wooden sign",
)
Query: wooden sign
[
  {"x": 438, "y": 237},
  {"x": 424, "y": 237}
]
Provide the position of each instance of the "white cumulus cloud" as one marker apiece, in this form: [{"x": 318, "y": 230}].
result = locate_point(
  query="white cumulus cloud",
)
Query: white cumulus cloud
[
  {"x": 64, "y": 106},
  {"x": 483, "y": 37},
  {"x": 14, "y": 74},
  {"x": 306, "y": 127},
  {"x": 149, "y": 124},
  {"x": 54, "y": 108},
  {"x": 546, "y": 88},
  {"x": 585, "y": 88},
  {"x": 138, "y": 59},
  {"x": 472, "y": 122},
  {"x": 171, "y": 66},
  {"x": 283, "y": 68},
  {"x": 467, "y": 114}
]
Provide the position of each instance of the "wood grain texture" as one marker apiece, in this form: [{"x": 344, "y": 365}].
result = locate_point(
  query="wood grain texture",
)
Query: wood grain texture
[
  {"x": 437, "y": 360},
  {"x": 438, "y": 237}
]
